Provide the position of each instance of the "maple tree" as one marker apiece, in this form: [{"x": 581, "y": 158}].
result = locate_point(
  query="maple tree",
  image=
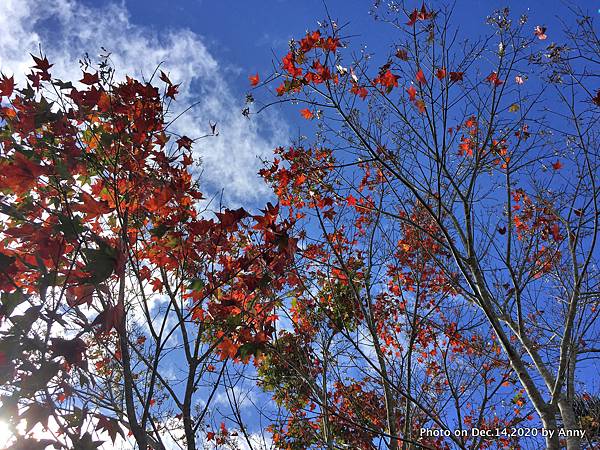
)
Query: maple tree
[
  {"x": 111, "y": 263},
  {"x": 429, "y": 268},
  {"x": 448, "y": 274}
]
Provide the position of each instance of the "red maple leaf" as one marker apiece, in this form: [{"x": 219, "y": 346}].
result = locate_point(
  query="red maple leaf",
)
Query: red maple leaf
[
  {"x": 456, "y": 76},
  {"x": 331, "y": 44},
  {"x": 413, "y": 16},
  {"x": 92, "y": 206},
  {"x": 41, "y": 63},
  {"x": 493, "y": 79},
  {"x": 254, "y": 79},
  {"x": 387, "y": 79},
  {"x": 596, "y": 99},
  {"x": 184, "y": 142},
  {"x": 421, "y": 77},
  {"x": 419, "y": 15},
  {"x": 7, "y": 86},
  {"x": 172, "y": 91},
  {"x": 89, "y": 78},
  {"x": 361, "y": 91},
  {"x": 412, "y": 92},
  {"x": 310, "y": 41},
  {"x": 557, "y": 165},
  {"x": 441, "y": 73},
  {"x": 307, "y": 113},
  {"x": 22, "y": 173},
  {"x": 289, "y": 65}
]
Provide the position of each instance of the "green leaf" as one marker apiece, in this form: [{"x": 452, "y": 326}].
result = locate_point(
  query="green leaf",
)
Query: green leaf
[
  {"x": 40, "y": 379},
  {"x": 10, "y": 301},
  {"x": 196, "y": 284},
  {"x": 86, "y": 442},
  {"x": 249, "y": 349},
  {"x": 70, "y": 227},
  {"x": 37, "y": 413},
  {"x": 234, "y": 321},
  {"x": 26, "y": 320},
  {"x": 100, "y": 262},
  {"x": 63, "y": 85},
  {"x": 160, "y": 230},
  {"x": 5, "y": 261}
]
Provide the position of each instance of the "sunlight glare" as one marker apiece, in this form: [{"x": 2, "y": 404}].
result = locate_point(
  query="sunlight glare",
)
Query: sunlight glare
[{"x": 6, "y": 435}]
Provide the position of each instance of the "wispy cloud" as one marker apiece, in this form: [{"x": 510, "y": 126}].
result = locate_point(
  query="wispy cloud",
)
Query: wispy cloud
[{"x": 67, "y": 29}]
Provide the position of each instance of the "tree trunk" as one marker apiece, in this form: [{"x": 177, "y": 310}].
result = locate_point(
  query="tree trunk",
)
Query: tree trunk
[
  {"x": 549, "y": 423},
  {"x": 569, "y": 423}
]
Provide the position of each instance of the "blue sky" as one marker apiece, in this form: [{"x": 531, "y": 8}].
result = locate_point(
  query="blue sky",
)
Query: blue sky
[{"x": 212, "y": 47}]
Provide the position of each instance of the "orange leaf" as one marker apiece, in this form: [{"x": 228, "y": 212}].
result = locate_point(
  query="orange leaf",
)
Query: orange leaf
[
  {"x": 157, "y": 285},
  {"x": 360, "y": 91},
  {"x": 307, "y": 113},
  {"x": 254, "y": 79},
  {"x": 300, "y": 180},
  {"x": 92, "y": 206},
  {"x": 227, "y": 348},
  {"x": 421, "y": 77}
]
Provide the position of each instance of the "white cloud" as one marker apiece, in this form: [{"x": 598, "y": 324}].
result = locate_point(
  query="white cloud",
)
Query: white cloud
[
  {"x": 67, "y": 29},
  {"x": 258, "y": 442},
  {"x": 245, "y": 397}
]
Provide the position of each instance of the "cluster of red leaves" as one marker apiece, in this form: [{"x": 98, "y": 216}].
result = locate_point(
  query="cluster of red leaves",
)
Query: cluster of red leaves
[
  {"x": 418, "y": 251},
  {"x": 231, "y": 300},
  {"x": 354, "y": 403},
  {"x": 539, "y": 225},
  {"x": 529, "y": 218},
  {"x": 419, "y": 15},
  {"x": 469, "y": 146},
  {"x": 418, "y": 282},
  {"x": 301, "y": 71},
  {"x": 415, "y": 278},
  {"x": 297, "y": 176},
  {"x": 387, "y": 80},
  {"x": 92, "y": 193},
  {"x": 314, "y": 72}
]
